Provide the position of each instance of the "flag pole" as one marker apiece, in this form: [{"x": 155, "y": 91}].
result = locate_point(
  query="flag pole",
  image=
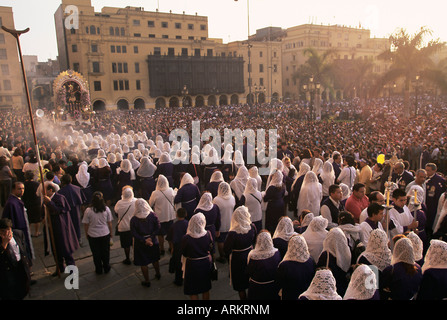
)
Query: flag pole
[{"x": 16, "y": 34}]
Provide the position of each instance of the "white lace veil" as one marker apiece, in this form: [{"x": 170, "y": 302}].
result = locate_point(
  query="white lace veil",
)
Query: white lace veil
[
  {"x": 186, "y": 179},
  {"x": 322, "y": 287},
  {"x": 196, "y": 226},
  {"x": 362, "y": 285},
  {"x": 241, "y": 220},
  {"x": 436, "y": 256},
  {"x": 239, "y": 182},
  {"x": 142, "y": 208},
  {"x": 310, "y": 194},
  {"x": 264, "y": 248},
  {"x": 206, "y": 202},
  {"x": 224, "y": 191},
  {"x": 337, "y": 245},
  {"x": 418, "y": 245},
  {"x": 297, "y": 250},
  {"x": 403, "y": 252},
  {"x": 217, "y": 176},
  {"x": 284, "y": 229},
  {"x": 147, "y": 168},
  {"x": 377, "y": 251},
  {"x": 162, "y": 183}
]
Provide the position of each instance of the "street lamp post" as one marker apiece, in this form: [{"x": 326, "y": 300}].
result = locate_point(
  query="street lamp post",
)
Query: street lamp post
[
  {"x": 417, "y": 84},
  {"x": 185, "y": 92},
  {"x": 312, "y": 88}
]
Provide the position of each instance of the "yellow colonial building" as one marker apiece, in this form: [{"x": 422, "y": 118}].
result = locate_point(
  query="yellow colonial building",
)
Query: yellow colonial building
[{"x": 12, "y": 93}]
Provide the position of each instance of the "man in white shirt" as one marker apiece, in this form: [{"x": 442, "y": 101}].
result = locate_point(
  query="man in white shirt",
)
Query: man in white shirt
[
  {"x": 420, "y": 177},
  {"x": 401, "y": 218},
  {"x": 374, "y": 197}
]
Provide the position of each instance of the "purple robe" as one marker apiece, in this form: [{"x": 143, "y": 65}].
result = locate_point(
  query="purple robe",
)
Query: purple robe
[
  {"x": 166, "y": 169},
  {"x": 15, "y": 211},
  {"x": 262, "y": 273},
  {"x": 402, "y": 286},
  {"x": 281, "y": 245},
  {"x": 294, "y": 277},
  {"x": 75, "y": 198},
  {"x": 197, "y": 277},
  {"x": 433, "y": 285},
  {"x": 213, "y": 222},
  {"x": 239, "y": 246},
  {"x": 65, "y": 239},
  {"x": 275, "y": 207},
  {"x": 141, "y": 229},
  {"x": 189, "y": 197}
]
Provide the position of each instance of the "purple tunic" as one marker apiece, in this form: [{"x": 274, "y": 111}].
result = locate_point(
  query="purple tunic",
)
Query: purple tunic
[
  {"x": 197, "y": 277},
  {"x": 294, "y": 277},
  {"x": 433, "y": 285},
  {"x": 275, "y": 207},
  {"x": 166, "y": 169},
  {"x": 213, "y": 188},
  {"x": 239, "y": 246},
  {"x": 402, "y": 286},
  {"x": 75, "y": 199},
  {"x": 262, "y": 273},
  {"x": 212, "y": 218},
  {"x": 146, "y": 186},
  {"x": 281, "y": 245},
  {"x": 141, "y": 229},
  {"x": 105, "y": 183},
  {"x": 189, "y": 197}
]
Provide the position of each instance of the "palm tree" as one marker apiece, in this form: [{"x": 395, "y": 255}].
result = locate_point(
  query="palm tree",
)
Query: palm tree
[
  {"x": 437, "y": 75},
  {"x": 408, "y": 57},
  {"x": 317, "y": 66}
]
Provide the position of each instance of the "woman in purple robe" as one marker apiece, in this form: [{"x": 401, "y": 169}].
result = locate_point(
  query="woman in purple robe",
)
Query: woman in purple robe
[
  {"x": 401, "y": 280},
  {"x": 196, "y": 249},
  {"x": 262, "y": 264},
  {"x": 126, "y": 175},
  {"x": 238, "y": 244},
  {"x": 144, "y": 227},
  {"x": 434, "y": 272},
  {"x": 296, "y": 270},
  {"x": 284, "y": 231},
  {"x": 166, "y": 168},
  {"x": 213, "y": 185},
  {"x": 104, "y": 181},
  {"x": 84, "y": 180},
  {"x": 188, "y": 195},
  {"x": 274, "y": 197},
  {"x": 145, "y": 176},
  {"x": 212, "y": 216}
]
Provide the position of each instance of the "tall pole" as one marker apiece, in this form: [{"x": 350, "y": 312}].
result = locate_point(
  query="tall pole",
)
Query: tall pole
[{"x": 16, "y": 34}]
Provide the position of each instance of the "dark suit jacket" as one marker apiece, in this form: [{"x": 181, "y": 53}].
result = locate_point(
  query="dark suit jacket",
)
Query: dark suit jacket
[{"x": 14, "y": 275}]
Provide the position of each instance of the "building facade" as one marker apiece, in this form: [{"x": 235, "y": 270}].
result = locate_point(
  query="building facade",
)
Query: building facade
[{"x": 12, "y": 93}]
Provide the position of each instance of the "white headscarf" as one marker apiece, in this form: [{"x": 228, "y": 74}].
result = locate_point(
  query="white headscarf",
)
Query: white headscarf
[
  {"x": 337, "y": 245},
  {"x": 103, "y": 163},
  {"x": 228, "y": 154},
  {"x": 307, "y": 219},
  {"x": 436, "y": 256},
  {"x": 224, "y": 191},
  {"x": 251, "y": 187},
  {"x": 327, "y": 174},
  {"x": 142, "y": 209},
  {"x": 137, "y": 154},
  {"x": 217, "y": 176},
  {"x": 318, "y": 166},
  {"x": 345, "y": 190},
  {"x": 135, "y": 163},
  {"x": 403, "y": 252},
  {"x": 111, "y": 158},
  {"x": 239, "y": 182},
  {"x": 418, "y": 245},
  {"x": 297, "y": 250},
  {"x": 310, "y": 194},
  {"x": 304, "y": 168},
  {"x": 362, "y": 285},
  {"x": 101, "y": 154},
  {"x": 264, "y": 248},
  {"x": 442, "y": 212},
  {"x": 275, "y": 179},
  {"x": 186, "y": 179},
  {"x": 94, "y": 163},
  {"x": 238, "y": 159},
  {"x": 147, "y": 168},
  {"x": 377, "y": 251},
  {"x": 253, "y": 172},
  {"x": 241, "y": 220},
  {"x": 118, "y": 157},
  {"x": 322, "y": 287},
  {"x": 206, "y": 202},
  {"x": 126, "y": 166},
  {"x": 196, "y": 226},
  {"x": 127, "y": 194},
  {"x": 164, "y": 158},
  {"x": 315, "y": 234},
  {"x": 284, "y": 229},
  {"x": 162, "y": 183},
  {"x": 83, "y": 177}
]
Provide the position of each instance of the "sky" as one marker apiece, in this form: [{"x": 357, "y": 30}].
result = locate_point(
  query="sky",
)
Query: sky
[{"x": 228, "y": 19}]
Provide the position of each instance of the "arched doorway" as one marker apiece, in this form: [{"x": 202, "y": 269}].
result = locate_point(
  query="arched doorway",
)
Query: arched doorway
[
  {"x": 200, "y": 101},
  {"x": 160, "y": 103},
  {"x": 250, "y": 99},
  {"x": 223, "y": 100},
  {"x": 261, "y": 98},
  {"x": 275, "y": 97},
  {"x": 139, "y": 104},
  {"x": 123, "y": 104},
  {"x": 212, "y": 101},
  {"x": 234, "y": 99},
  {"x": 187, "y": 102},
  {"x": 99, "y": 105},
  {"x": 173, "y": 102}
]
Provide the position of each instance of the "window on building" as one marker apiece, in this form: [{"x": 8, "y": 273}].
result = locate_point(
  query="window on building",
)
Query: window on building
[
  {"x": 191, "y": 38},
  {"x": 136, "y": 22},
  {"x": 138, "y": 85},
  {"x": 112, "y": 31},
  {"x": 5, "y": 69},
  {"x": 74, "y": 48},
  {"x": 123, "y": 32},
  {"x": 76, "y": 67},
  {"x": 261, "y": 68},
  {"x": 95, "y": 67},
  {"x": 126, "y": 84},
  {"x": 164, "y": 36},
  {"x": 115, "y": 85},
  {"x": 203, "y": 27},
  {"x": 94, "y": 48},
  {"x": 260, "y": 54},
  {"x": 117, "y": 31},
  {"x": 2, "y": 38},
  {"x": 121, "y": 84},
  {"x": 92, "y": 30},
  {"x": 97, "y": 85},
  {"x": 178, "y": 25},
  {"x": 112, "y": 49},
  {"x": 72, "y": 31},
  {"x": 178, "y": 37},
  {"x": 184, "y": 51},
  {"x": 164, "y": 24},
  {"x": 114, "y": 68},
  {"x": 203, "y": 38},
  {"x": 275, "y": 68},
  {"x": 209, "y": 52},
  {"x": 137, "y": 35},
  {"x": 151, "y": 35},
  {"x": 125, "y": 68},
  {"x": 274, "y": 54},
  {"x": 171, "y": 51},
  {"x": 6, "y": 85},
  {"x": 197, "y": 52},
  {"x": 137, "y": 67},
  {"x": 157, "y": 51},
  {"x": 124, "y": 49},
  {"x": 120, "y": 67},
  {"x": 261, "y": 81},
  {"x": 135, "y": 49},
  {"x": 190, "y": 26},
  {"x": 118, "y": 49},
  {"x": 151, "y": 23}
]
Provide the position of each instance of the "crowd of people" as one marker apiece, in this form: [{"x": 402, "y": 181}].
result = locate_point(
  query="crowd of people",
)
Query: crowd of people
[{"x": 353, "y": 206}]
